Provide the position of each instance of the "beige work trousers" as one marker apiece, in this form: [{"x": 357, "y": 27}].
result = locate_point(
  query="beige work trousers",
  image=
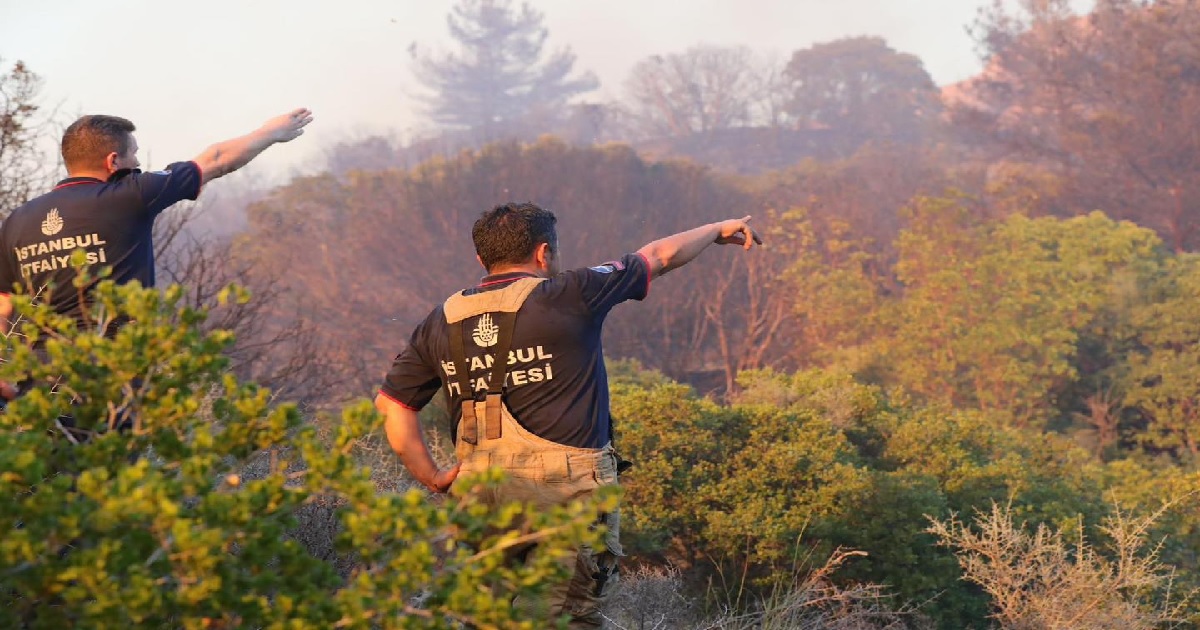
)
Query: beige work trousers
[{"x": 547, "y": 474}]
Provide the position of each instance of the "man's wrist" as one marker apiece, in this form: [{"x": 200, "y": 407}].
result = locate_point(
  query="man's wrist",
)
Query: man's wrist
[{"x": 264, "y": 137}]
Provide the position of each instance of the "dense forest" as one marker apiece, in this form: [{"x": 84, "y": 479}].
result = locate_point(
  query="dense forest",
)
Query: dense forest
[{"x": 958, "y": 388}]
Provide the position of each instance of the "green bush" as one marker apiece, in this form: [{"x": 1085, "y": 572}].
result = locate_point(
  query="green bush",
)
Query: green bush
[{"x": 152, "y": 526}]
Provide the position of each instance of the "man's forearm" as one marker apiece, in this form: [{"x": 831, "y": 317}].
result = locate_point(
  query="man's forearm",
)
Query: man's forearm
[
  {"x": 403, "y": 430},
  {"x": 6, "y": 311},
  {"x": 7, "y": 390},
  {"x": 679, "y": 249},
  {"x": 226, "y": 157}
]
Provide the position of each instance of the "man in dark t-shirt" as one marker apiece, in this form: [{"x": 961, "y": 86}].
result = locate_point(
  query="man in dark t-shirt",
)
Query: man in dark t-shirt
[
  {"x": 557, "y": 385},
  {"x": 107, "y": 207},
  {"x": 543, "y": 413}
]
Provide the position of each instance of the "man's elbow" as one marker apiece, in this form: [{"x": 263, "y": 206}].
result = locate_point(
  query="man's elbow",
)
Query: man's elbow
[
  {"x": 655, "y": 259},
  {"x": 213, "y": 163},
  {"x": 382, "y": 403}
]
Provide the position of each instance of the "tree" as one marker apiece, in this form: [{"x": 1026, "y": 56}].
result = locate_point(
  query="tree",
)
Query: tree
[
  {"x": 862, "y": 89},
  {"x": 22, "y": 126},
  {"x": 500, "y": 74},
  {"x": 1109, "y": 103},
  {"x": 701, "y": 90},
  {"x": 993, "y": 315},
  {"x": 1164, "y": 375}
]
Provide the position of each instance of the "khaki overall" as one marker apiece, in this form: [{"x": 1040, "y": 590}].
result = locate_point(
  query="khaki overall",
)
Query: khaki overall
[{"x": 538, "y": 471}]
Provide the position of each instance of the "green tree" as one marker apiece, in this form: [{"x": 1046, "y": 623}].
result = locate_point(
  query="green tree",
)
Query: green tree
[
  {"x": 499, "y": 74},
  {"x": 860, "y": 87},
  {"x": 181, "y": 537},
  {"x": 992, "y": 315},
  {"x": 1164, "y": 375}
]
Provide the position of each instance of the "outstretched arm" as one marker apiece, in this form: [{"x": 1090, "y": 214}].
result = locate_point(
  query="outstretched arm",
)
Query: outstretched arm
[
  {"x": 226, "y": 157},
  {"x": 403, "y": 430},
  {"x": 679, "y": 249}
]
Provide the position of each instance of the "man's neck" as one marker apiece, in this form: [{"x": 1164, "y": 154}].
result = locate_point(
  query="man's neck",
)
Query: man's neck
[
  {"x": 100, "y": 175},
  {"x": 531, "y": 269}
]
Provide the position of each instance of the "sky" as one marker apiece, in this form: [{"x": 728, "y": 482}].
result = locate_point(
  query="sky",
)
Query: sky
[{"x": 190, "y": 74}]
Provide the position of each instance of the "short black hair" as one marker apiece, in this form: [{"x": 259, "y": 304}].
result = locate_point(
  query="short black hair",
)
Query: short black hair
[
  {"x": 510, "y": 233},
  {"x": 89, "y": 141}
]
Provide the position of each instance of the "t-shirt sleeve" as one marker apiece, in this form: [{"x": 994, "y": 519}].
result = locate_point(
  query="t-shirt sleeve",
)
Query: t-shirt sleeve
[
  {"x": 605, "y": 286},
  {"x": 162, "y": 189},
  {"x": 413, "y": 379}
]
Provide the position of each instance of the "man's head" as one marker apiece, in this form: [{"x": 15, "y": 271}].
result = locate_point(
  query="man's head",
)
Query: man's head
[
  {"x": 517, "y": 235},
  {"x": 94, "y": 145}
]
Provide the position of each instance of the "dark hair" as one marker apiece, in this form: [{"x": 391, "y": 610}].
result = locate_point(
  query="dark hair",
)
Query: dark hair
[
  {"x": 89, "y": 141},
  {"x": 509, "y": 234}
]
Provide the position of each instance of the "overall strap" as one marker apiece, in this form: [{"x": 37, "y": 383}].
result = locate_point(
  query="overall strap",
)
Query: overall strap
[
  {"x": 499, "y": 374},
  {"x": 458, "y": 356},
  {"x": 504, "y": 303}
]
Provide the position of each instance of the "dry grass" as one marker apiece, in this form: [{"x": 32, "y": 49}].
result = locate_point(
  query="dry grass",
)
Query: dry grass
[{"x": 653, "y": 599}]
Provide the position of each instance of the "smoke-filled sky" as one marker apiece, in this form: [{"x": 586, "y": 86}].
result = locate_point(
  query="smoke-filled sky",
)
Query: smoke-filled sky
[{"x": 189, "y": 74}]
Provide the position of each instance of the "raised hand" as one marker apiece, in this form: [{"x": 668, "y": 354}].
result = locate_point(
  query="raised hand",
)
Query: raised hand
[
  {"x": 738, "y": 232},
  {"x": 289, "y": 126}
]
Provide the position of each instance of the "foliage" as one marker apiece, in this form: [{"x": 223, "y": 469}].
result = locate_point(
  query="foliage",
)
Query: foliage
[
  {"x": 862, "y": 87},
  {"x": 1164, "y": 382},
  {"x": 1105, "y": 103},
  {"x": 151, "y": 524}
]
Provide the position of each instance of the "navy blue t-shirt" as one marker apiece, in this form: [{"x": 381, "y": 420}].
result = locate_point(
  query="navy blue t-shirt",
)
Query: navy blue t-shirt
[
  {"x": 557, "y": 388},
  {"x": 111, "y": 221}
]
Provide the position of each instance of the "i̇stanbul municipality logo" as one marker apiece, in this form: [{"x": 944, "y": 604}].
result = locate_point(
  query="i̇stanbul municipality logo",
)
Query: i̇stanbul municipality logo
[
  {"x": 52, "y": 224},
  {"x": 486, "y": 333}
]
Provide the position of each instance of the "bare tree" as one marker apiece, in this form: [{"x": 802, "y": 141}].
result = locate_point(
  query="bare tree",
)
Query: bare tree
[
  {"x": 703, "y": 89},
  {"x": 273, "y": 346}
]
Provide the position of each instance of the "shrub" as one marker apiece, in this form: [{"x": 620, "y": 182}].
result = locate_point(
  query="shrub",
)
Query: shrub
[
  {"x": 1037, "y": 579},
  {"x": 151, "y": 525}
]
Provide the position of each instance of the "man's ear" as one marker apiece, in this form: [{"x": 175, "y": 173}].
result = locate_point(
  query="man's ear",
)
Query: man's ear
[
  {"x": 543, "y": 255},
  {"x": 481, "y": 262},
  {"x": 110, "y": 162}
]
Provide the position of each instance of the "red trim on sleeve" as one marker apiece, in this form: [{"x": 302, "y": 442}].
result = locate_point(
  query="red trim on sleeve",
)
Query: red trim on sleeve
[
  {"x": 649, "y": 276},
  {"x": 393, "y": 399},
  {"x": 200, "y": 179}
]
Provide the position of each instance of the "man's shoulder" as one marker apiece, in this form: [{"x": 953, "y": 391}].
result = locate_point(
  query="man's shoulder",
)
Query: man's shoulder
[
  {"x": 33, "y": 205},
  {"x": 433, "y": 321},
  {"x": 168, "y": 170},
  {"x": 34, "y": 208}
]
